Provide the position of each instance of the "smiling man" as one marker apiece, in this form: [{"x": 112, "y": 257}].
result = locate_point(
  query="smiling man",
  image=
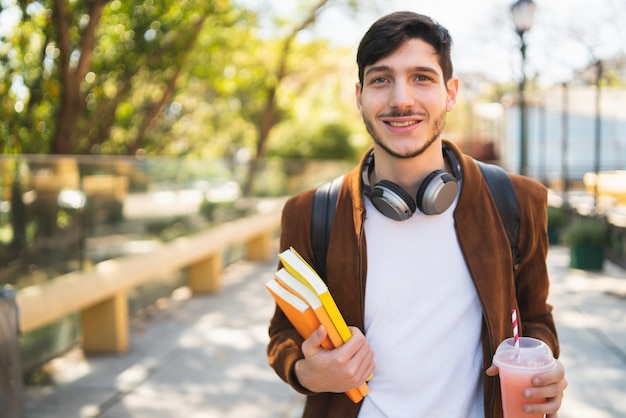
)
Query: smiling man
[
  {"x": 404, "y": 98},
  {"x": 418, "y": 263}
]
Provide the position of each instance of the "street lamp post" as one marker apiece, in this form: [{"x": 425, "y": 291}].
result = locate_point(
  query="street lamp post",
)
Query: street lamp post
[
  {"x": 522, "y": 12},
  {"x": 598, "y": 133}
]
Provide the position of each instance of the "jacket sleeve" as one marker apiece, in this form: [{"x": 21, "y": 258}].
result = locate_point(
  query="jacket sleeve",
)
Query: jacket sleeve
[
  {"x": 284, "y": 348},
  {"x": 532, "y": 280}
]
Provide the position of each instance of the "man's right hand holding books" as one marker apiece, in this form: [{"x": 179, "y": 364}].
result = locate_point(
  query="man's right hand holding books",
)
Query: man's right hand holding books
[{"x": 336, "y": 370}]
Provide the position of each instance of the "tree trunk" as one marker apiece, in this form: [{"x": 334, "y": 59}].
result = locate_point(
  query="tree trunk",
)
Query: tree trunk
[
  {"x": 18, "y": 217},
  {"x": 72, "y": 103},
  {"x": 269, "y": 117}
]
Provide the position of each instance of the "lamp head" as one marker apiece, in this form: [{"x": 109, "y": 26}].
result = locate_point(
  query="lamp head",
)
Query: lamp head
[{"x": 523, "y": 12}]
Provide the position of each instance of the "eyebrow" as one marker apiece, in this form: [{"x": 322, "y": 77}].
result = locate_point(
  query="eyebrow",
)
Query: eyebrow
[
  {"x": 377, "y": 68},
  {"x": 386, "y": 68}
]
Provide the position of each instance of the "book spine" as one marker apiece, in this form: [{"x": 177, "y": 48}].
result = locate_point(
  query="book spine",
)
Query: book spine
[
  {"x": 354, "y": 395},
  {"x": 331, "y": 330},
  {"x": 335, "y": 316}
]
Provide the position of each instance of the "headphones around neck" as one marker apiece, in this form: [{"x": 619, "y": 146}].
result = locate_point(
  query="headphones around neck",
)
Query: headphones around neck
[{"x": 435, "y": 195}]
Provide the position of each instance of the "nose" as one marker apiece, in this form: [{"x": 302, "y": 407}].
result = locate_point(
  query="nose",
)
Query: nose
[{"x": 401, "y": 97}]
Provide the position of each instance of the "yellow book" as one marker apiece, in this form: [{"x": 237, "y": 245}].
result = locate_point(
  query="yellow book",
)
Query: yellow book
[
  {"x": 300, "y": 269},
  {"x": 296, "y": 289},
  {"x": 292, "y": 289}
]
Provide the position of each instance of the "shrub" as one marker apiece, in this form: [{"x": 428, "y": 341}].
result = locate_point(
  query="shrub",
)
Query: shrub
[{"x": 591, "y": 231}]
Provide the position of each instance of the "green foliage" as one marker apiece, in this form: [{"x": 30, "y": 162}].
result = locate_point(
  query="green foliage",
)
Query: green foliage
[
  {"x": 168, "y": 229},
  {"x": 591, "y": 231},
  {"x": 324, "y": 142},
  {"x": 216, "y": 211},
  {"x": 557, "y": 217},
  {"x": 272, "y": 180},
  {"x": 122, "y": 80},
  {"x": 210, "y": 116},
  {"x": 186, "y": 78},
  {"x": 322, "y": 121}
]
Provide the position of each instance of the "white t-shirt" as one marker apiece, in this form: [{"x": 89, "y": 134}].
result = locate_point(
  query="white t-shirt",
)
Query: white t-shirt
[{"x": 422, "y": 319}]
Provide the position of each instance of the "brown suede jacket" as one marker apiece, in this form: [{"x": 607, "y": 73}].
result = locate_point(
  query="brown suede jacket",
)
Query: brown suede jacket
[{"x": 484, "y": 243}]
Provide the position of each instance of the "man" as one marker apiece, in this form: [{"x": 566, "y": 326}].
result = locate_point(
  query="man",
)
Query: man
[{"x": 426, "y": 284}]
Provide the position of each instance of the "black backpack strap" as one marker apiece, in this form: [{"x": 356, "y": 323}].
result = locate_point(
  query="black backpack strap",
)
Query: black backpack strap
[
  {"x": 322, "y": 221},
  {"x": 503, "y": 194}
]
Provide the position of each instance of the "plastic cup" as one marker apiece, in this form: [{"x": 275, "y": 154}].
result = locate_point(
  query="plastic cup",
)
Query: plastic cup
[{"x": 515, "y": 375}]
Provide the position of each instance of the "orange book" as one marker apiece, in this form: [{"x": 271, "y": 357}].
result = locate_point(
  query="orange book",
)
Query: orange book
[
  {"x": 297, "y": 290},
  {"x": 294, "y": 286},
  {"x": 300, "y": 314}
]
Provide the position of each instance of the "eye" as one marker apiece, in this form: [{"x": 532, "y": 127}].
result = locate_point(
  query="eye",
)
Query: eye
[
  {"x": 422, "y": 78},
  {"x": 378, "y": 80}
]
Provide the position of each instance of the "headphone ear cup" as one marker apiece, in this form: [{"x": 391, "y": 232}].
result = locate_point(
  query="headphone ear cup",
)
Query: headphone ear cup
[
  {"x": 392, "y": 201},
  {"x": 437, "y": 192}
]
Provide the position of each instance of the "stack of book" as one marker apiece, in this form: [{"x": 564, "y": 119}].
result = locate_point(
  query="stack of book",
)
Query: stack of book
[{"x": 306, "y": 301}]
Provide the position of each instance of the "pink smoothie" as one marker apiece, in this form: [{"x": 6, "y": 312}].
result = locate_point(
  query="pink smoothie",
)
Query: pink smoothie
[
  {"x": 513, "y": 382},
  {"x": 516, "y": 372}
]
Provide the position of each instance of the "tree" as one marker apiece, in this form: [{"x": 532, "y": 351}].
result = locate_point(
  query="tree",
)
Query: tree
[
  {"x": 114, "y": 77},
  {"x": 75, "y": 52},
  {"x": 94, "y": 76},
  {"x": 270, "y": 114}
]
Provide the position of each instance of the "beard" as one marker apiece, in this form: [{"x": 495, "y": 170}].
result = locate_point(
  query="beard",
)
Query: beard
[{"x": 440, "y": 123}]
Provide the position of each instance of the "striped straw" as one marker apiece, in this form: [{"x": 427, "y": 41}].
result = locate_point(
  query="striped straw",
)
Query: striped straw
[{"x": 516, "y": 335}]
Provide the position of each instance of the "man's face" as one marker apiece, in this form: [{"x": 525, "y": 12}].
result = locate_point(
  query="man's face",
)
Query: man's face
[{"x": 404, "y": 99}]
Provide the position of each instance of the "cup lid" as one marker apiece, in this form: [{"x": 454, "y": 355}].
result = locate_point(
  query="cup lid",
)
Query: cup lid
[{"x": 534, "y": 354}]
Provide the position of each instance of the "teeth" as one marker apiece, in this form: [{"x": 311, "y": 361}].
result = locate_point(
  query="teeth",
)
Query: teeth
[{"x": 401, "y": 124}]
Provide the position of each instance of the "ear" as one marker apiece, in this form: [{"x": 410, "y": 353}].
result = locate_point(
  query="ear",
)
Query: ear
[
  {"x": 452, "y": 87},
  {"x": 358, "y": 91}
]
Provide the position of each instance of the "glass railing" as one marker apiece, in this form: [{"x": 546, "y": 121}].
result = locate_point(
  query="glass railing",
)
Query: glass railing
[{"x": 65, "y": 213}]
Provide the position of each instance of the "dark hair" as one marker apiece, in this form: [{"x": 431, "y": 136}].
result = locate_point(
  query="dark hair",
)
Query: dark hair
[{"x": 390, "y": 32}]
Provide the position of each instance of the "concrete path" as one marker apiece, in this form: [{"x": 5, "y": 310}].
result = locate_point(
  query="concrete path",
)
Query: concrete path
[
  {"x": 204, "y": 356},
  {"x": 590, "y": 313}
]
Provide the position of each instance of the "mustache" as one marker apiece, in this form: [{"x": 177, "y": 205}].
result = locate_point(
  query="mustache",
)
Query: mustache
[{"x": 399, "y": 114}]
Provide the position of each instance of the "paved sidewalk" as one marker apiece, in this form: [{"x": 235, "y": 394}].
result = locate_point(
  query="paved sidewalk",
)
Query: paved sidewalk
[
  {"x": 590, "y": 313},
  {"x": 200, "y": 357},
  {"x": 204, "y": 356}
]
